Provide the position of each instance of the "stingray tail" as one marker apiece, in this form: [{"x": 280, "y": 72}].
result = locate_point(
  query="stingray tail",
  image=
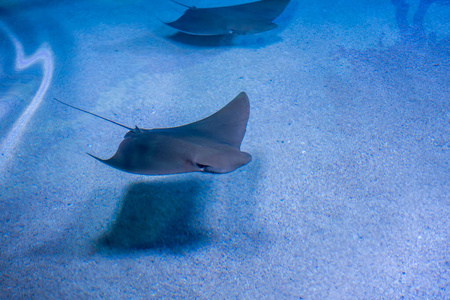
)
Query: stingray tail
[
  {"x": 88, "y": 112},
  {"x": 182, "y": 4}
]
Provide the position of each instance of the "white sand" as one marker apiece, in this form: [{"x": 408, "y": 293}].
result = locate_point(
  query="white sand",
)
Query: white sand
[{"x": 347, "y": 196}]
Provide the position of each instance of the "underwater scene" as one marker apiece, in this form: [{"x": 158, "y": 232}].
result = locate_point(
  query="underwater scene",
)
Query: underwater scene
[{"x": 224, "y": 149}]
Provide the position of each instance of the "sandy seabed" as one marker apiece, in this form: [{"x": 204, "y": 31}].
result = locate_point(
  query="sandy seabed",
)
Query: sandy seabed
[{"x": 347, "y": 196}]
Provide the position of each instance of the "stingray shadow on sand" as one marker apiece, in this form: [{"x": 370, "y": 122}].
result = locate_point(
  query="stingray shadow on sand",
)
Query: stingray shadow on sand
[
  {"x": 221, "y": 41},
  {"x": 157, "y": 216}
]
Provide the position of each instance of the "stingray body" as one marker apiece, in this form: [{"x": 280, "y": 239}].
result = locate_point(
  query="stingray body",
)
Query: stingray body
[
  {"x": 210, "y": 145},
  {"x": 249, "y": 18}
]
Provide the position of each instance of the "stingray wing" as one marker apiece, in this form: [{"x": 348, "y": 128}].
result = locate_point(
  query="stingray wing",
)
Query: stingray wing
[
  {"x": 226, "y": 126},
  {"x": 266, "y": 10},
  {"x": 200, "y": 21}
]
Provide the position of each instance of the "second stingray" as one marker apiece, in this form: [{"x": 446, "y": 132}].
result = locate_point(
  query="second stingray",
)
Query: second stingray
[
  {"x": 248, "y": 18},
  {"x": 210, "y": 145}
]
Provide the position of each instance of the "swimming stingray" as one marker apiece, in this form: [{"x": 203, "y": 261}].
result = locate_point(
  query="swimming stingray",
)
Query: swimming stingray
[
  {"x": 210, "y": 145},
  {"x": 249, "y": 18}
]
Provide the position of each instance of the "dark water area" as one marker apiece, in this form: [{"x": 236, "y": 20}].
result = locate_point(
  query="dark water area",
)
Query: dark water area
[{"x": 347, "y": 194}]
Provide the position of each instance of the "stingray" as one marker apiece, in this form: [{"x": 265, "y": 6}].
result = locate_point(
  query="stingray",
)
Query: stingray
[
  {"x": 249, "y": 18},
  {"x": 210, "y": 145}
]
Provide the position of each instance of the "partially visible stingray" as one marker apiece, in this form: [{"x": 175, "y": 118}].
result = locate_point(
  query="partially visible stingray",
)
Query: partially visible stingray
[
  {"x": 249, "y": 18},
  {"x": 210, "y": 145}
]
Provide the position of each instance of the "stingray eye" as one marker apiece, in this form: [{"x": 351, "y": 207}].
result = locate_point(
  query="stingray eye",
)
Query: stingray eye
[{"x": 200, "y": 166}]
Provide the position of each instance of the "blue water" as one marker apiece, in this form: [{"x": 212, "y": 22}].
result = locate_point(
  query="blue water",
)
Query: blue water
[{"x": 347, "y": 195}]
